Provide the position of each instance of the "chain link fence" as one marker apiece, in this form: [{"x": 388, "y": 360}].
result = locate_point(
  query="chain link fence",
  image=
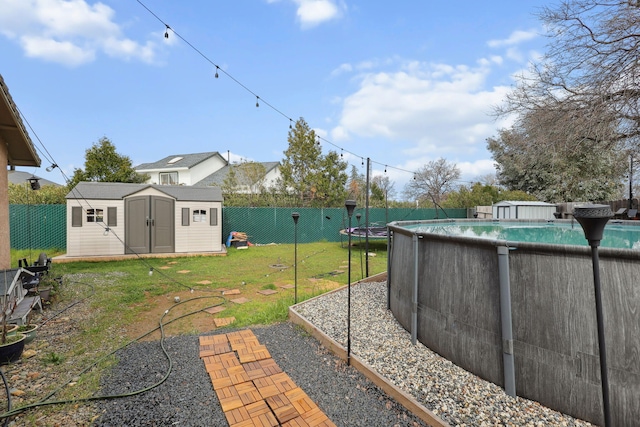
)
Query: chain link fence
[{"x": 44, "y": 226}]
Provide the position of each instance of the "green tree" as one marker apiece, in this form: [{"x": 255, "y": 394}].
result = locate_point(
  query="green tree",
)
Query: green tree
[
  {"x": 104, "y": 164},
  {"x": 22, "y": 194},
  {"x": 558, "y": 156},
  {"x": 314, "y": 179},
  {"x": 479, "y": 194},
  {"x": 382, "y": 189}
]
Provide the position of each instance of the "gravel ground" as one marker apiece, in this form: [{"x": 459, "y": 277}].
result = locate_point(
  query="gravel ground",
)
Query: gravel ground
[
  {"x": 187, "y": 398},
  {"x": 455, "y": 395}
]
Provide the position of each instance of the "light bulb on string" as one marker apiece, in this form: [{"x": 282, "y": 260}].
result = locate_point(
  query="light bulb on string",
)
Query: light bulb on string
[
  {"x": 52, "y": 167},
  {"x": 290, "y": 123},
  {"x": 150, "y": 271},
  {"x": 362, "y": 158},
  {"x": 216, "y": 75},
  {"x": 166, "y": 32},
  {"x": 257, "y": 101},
  {"x": 385, "y": 168},
  {"x": 106, "y": 231},
  {"x": 341, "y": 155}
]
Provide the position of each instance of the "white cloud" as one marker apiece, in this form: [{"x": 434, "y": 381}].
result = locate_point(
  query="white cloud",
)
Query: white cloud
[
  {"x": 311, "y": 13},
  {"x": 70, "y": 32},
  {"x": 514, "y": 38},
  {"x": 438, "y": 108}
]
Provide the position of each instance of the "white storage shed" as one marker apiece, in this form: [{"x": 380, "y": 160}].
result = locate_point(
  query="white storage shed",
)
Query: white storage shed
[
  {"x": 105, "y": 218},
  {"x": 523, "y": 210}
]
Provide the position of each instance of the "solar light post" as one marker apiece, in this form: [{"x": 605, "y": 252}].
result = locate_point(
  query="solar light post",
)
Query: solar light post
[
  {"x": 358, "y": 216},
  {"x": 295, "y": 217},
  {"x": 593, "y": 219},
  {"x": 350, "y": 205}
]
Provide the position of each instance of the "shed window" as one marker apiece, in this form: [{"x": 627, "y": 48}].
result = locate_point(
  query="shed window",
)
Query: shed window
[
  {"x": 169, "y": 178},
  {"x": 95, "y": 215},
  {"x": 199, "y": 215}
]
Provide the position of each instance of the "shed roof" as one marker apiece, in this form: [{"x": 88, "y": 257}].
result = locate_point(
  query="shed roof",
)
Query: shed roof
[
  {"x": 120, "y": 190},
  {"x": 522, "y": 203},
  {"x": 178, "y": 161},
  {"x": 217, "y": 178},
  {"x": 13, "y": 133}
]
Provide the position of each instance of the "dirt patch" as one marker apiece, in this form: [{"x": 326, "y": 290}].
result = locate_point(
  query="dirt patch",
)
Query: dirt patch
[{"x": 179, "y": 304}]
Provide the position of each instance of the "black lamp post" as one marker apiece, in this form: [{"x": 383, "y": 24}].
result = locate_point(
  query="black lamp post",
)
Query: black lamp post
[
  {"x": 358, "y": 216},
  {"x": 593, "y": 219},
  {"x": 295, "y": 217},
  {"x": 350, "y": 205}
]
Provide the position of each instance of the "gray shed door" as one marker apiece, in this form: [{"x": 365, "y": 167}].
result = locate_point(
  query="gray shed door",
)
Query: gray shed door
[{"x": 149, "y": 225}]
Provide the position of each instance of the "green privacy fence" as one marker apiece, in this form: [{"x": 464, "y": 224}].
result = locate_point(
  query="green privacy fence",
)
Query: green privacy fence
[
  {"x": 38, "y": 226},
  {"x": 44, "y": 226},
  {"x": 275, "y": 225}
]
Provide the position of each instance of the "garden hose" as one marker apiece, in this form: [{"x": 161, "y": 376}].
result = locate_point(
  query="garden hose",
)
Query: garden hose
[{"x": 45, "y": 402}]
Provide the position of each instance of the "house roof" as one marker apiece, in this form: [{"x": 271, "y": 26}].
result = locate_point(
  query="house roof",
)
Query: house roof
[
  {"x": 20, "y": 177},
  {"x": 120, "y": 190},
  {"x": 217, "y": 178},
  {"x": 177, "y": 161},
  {"x": 13, "y": 133}
]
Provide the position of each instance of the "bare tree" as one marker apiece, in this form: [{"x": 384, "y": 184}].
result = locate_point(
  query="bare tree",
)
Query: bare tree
[
  {"x": 590, "y": 71},
  {"x": 433, "y": 181}
]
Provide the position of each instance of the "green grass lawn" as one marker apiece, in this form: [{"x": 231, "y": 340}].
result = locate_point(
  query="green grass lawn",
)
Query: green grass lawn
[{"x": 120, "y": 301}]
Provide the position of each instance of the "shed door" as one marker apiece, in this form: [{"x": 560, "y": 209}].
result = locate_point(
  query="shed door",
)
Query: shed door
[{"x": 149, "y": 225}]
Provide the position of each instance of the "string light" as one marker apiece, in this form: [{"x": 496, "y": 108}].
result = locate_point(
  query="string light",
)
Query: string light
[
  {"x": 106, "y": 231},
  {"x": 52, "y": 167},
  {"x": 341, "y": 155},
  {"x": 150, "y": 271},
  {"x": 218, "y": 69}
]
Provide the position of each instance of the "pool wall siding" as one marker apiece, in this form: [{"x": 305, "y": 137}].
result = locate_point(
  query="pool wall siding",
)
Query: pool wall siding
[{"x": 555, "y": 344}]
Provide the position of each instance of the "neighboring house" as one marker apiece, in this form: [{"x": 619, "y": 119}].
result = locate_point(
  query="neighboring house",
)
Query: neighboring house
[
  {"x": 21, "y": 177},
  {"x": 182, "y": 169},
  {"x": 271, "y": 169},
  {"x": 16, "y": 149},
  {"x": 119, "y": 218},
  {"x": 202, "y": 170}
]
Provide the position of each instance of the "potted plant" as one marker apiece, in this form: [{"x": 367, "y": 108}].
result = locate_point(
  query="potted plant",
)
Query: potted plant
[{"x": 29, "y": 330}]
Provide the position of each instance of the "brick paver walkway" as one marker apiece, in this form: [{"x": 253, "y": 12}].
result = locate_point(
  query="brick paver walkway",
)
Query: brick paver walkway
[{"x": 251, "y": 387}]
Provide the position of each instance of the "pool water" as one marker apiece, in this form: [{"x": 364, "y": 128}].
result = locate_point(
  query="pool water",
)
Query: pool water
[{"x": 616, "y": 235}]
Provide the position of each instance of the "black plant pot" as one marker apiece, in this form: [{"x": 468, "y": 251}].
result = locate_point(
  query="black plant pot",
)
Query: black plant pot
[{"x": 10, "y": 352}]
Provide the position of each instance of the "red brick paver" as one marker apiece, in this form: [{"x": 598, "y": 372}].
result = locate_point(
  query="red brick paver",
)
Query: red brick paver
[{"x": 252, "y": 389}]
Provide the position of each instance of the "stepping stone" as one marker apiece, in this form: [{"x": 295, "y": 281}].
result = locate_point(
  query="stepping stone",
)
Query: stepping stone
[
  {"x": 204, "y": 282},
  {"x": 184, "y": 271},
  {"x": 224, "y": 321},
  {"x": 287, "y": 286},
  {"x": 216, "y": 309},
  {"x": 240, "y": 300},
  {"x": 267, "y": 292},
  {"x": 231, "y": 292},
  {"x": 165, "y": 267}
]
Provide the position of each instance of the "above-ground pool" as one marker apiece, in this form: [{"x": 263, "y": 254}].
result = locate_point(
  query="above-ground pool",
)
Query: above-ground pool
[
  {"x": 514, "y": 302},
  {"x": 618, "y": 234}
]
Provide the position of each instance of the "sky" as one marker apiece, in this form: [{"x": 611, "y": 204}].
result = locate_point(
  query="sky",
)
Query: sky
[{"x": 400, "y": 83}]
